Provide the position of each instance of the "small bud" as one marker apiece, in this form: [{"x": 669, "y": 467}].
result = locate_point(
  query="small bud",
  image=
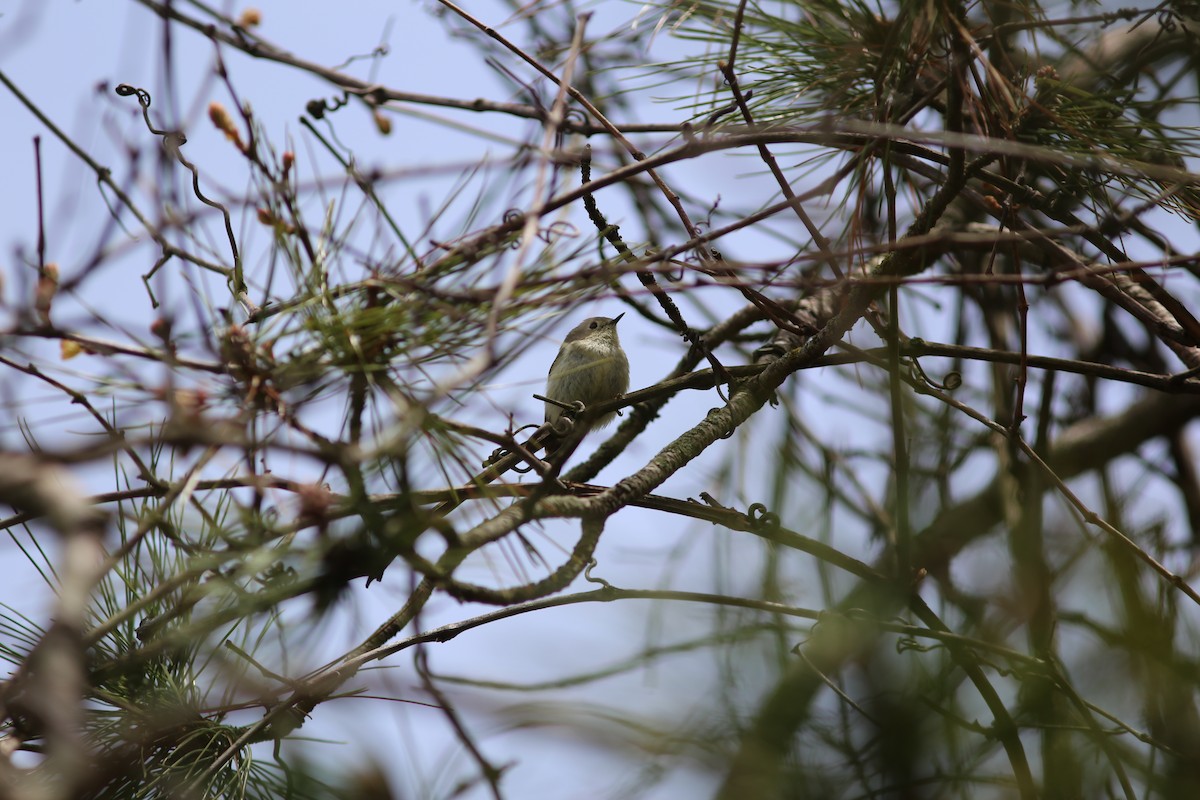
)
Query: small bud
[
  {"x": 383, "y": 123},
  {"x": 47, "y": 287},
  {"x": 250, "y": 18},
  {"x": 224, "y": 123},
  {"x": 161, "y": 328},
  {"x": 219, "y": 117},
  {"x": 267, "y": 217}
]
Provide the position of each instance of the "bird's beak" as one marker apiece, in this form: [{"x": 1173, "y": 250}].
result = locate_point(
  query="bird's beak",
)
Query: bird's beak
[{"x": 617, "y": 318}]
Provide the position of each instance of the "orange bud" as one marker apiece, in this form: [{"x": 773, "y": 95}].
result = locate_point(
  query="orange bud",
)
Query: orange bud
[
  {"x": 383, "y": 123},
  {"x": 224, "y": 123}
]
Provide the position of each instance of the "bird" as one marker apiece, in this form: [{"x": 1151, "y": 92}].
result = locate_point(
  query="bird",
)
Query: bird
[{"x": 591, "y": 367}]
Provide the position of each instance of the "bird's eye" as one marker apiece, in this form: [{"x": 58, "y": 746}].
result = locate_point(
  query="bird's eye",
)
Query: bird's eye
[{"x": 594, "y": 325}]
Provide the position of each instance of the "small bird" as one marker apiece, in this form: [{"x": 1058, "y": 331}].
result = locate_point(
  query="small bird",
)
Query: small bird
[{"x": 590, "y": 368}]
